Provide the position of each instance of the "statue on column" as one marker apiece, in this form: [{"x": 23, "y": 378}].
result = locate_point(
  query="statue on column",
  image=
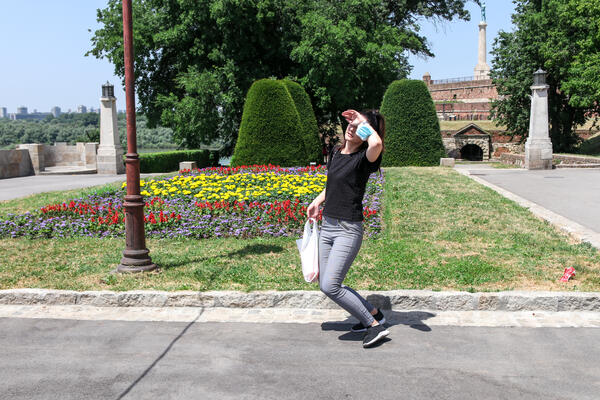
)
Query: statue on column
[{"x": 483, "y": 11}]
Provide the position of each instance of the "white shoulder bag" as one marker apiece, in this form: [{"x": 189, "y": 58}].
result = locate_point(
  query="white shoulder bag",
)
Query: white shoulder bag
[{"x": 309, "y": 251}]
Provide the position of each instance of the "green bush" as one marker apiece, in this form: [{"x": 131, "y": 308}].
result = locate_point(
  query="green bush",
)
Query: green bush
[
  {"x": 412, "y": 128},
  {"x": 308, "y": 121},
  {"x": 591, "y": 146},
  {"x": 270, "y": 131},
  {"x": 168, "y": 161}
]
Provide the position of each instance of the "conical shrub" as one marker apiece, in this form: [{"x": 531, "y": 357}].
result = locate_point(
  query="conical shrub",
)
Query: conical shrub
[
  {"x": 270, "y": 131},
  {"x": 412, "y": 128},
  {"x": 308, "y": 121}
]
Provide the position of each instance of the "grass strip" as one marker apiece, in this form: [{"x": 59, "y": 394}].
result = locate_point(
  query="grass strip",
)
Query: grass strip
[{"x": 442, "y": 231}]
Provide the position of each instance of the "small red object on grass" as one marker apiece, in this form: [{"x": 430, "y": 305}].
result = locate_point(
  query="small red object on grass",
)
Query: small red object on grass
[{"x": 569, "y": 272}]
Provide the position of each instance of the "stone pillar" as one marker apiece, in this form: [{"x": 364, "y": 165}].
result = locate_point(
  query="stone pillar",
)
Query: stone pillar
[
  {"x": 538, "y": 147},
  {"x": 110, "y": 152},
  {"x": 91, "y": 149},
  {"x": 482, "y": 69},
  {"x": 36, "y": 154}
]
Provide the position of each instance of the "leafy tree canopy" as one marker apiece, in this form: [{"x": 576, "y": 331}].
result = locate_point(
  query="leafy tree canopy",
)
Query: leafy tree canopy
[
  {"x": 563, "y": 38},
  {"x": 196, "y": 59},
  {"x": 71, "y": 128}
]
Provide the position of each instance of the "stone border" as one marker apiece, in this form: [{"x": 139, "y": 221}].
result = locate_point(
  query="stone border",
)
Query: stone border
[
  {"x": 395, "y": 299},
  {"x": 572, "y": 228}
]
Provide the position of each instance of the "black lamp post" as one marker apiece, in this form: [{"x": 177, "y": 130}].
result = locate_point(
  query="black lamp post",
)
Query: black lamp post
[{"x": 136, "y": 256}]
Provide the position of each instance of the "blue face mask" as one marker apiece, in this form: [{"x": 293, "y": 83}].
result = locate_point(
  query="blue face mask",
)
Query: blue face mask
[{"x": 364, "y": 130}]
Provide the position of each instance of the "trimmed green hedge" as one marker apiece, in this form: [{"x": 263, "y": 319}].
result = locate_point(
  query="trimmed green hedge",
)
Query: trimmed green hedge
[
  {"x": 310, "y": 129},
  {"x": 270, "y": 131},
  {"x": 168, "y": 161},
  {"x": 412, "y": 128}
]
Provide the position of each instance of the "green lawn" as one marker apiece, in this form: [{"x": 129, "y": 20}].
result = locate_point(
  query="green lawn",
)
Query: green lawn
[
  {"x": 442, "y": 231},
  {"x": 488, "y": 125}
]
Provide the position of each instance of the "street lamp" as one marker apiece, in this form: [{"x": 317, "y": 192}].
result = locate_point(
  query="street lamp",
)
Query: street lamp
[
  {"x": 136, "y": 256},
  {"x": 539, "y": 77},
  {"x": 108, "y": 90}
]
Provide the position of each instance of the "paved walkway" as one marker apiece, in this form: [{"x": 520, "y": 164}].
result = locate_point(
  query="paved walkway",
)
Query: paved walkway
[
  {"x": 13, "y": 188},
  {"x": 75, "y": 359},
  {"x": 521, "y": 319},
  {"x": 572, "y": 193}
]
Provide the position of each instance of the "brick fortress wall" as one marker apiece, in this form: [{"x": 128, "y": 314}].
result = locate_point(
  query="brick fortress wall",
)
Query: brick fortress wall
[{"x": 462, "y": 98}]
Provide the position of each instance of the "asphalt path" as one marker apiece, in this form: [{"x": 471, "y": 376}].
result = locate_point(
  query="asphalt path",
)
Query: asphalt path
[
  {"x": 13, "y": 188},
  {"x": 573, "y": 193},
  {"x": 77, "y": 359}
]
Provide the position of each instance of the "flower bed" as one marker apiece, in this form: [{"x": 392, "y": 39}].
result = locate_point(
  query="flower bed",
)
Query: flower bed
[{"x": 260, "y": 200}]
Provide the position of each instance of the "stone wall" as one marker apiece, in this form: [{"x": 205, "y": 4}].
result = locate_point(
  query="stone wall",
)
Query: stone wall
[
  {"x": 519, "y": 159},
  {"x": 467, "y": 99},
  {"x": 499, "y": 148},
  {"x": 454, "y": 145},
  {"x": 513, "y": 159},
  {"x": 573, "y": 159},
  {"x": 60, "y": 154},
  {"x": 458, "y": 111},
  {"x": 14, "y": 163},
  {"x": 465, "y": 90}
]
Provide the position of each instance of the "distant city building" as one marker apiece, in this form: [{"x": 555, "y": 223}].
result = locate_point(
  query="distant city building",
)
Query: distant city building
[
  {"x": 55, "y": 111},
  {"x": 3, "y": 112},
  {"x": 81, "y": 109},
  {"x": 22, "y": 114}
]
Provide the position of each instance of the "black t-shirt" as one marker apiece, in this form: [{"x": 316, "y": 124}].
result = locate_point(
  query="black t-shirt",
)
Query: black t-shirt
[{"x": 347, "y": 176}]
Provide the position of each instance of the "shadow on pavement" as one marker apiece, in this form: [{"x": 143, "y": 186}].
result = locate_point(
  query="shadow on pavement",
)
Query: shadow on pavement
[
  {"x": 413, "y": 319},
  {"x": 164, "y": 353}
]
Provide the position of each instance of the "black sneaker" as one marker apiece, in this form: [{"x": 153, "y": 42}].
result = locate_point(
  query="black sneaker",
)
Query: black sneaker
[
  {"x": 374, "y": 335},
  {"x": 379, "y": 317}
]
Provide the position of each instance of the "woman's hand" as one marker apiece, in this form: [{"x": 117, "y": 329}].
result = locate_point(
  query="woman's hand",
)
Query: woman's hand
[
  {"x": 353, "y": 117},
  {"x": 313, "y": 210}
]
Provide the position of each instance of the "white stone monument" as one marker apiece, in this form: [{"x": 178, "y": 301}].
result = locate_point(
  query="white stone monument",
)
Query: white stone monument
[
  {"x": 538, "y": 147},
  {"x": 110, "y": 152},
  {"x": 482, "y": 69}
]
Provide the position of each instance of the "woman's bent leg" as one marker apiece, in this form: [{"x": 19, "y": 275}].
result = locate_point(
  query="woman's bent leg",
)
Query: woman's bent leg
[
  {"x": 337, "y": 250},
  {"x": 367, "y": 305}
]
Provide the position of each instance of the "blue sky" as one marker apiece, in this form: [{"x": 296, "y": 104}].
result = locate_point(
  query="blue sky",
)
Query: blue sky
[
  {"x": 455, "y": 43},
  {"x": 43, "y": 45}
]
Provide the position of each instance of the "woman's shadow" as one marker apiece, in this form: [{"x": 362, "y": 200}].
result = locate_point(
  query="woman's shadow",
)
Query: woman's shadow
[{"x": 413, "y": 319}]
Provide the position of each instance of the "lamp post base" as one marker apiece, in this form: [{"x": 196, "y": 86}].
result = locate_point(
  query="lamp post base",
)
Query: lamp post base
[{"x": 136, "y": 261}]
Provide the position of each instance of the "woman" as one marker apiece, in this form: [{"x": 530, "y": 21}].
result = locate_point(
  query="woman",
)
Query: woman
[{"x": 348, "y": 170}]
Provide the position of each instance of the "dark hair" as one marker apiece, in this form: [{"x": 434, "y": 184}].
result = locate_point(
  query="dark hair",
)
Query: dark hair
[{"x": 377, "y": 122}]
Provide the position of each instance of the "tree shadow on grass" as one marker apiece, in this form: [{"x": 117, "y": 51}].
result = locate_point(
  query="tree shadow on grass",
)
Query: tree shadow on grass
[{"x": 246, "y": 251}]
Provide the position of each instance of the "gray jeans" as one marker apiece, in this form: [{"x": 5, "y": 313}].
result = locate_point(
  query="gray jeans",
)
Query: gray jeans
[{"x": 339, "y": 243}]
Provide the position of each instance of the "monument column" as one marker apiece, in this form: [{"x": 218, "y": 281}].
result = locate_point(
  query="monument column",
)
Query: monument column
[
  {"x": 482, "y": 69},
  {"x": 538, "y": 148},
  {"x": 110, "y": 153}
]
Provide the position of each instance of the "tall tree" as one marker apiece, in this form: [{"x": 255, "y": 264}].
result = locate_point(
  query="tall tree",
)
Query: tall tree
[
  {"x": 196, "y": 59},
  {"x": 561, "y": 37}
]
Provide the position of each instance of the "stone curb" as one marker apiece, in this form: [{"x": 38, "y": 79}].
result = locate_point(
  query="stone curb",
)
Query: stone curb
[{"x": 395, "y": 299}]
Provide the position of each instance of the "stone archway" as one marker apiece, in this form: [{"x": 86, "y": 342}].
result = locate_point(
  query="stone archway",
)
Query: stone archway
[
  {"x": 469, "y": 135},
  {"x": 471, "y": 152}
]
